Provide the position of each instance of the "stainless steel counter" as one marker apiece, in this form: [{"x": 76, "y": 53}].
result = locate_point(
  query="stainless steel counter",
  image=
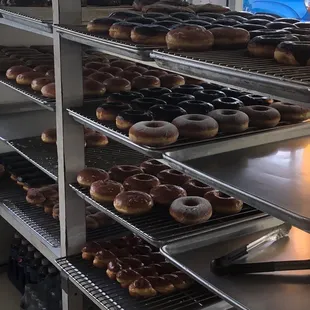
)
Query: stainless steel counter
[{"x": 274, "y": 178}]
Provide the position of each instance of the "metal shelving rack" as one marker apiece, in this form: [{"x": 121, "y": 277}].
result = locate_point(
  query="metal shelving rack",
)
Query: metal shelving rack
[{"x": 64, "y": 165}]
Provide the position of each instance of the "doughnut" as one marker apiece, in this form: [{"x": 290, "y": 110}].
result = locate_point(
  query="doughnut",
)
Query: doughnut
[
  {"x": 154, "y": 92},
  {"x": 111, "y": 70},
  {"x": 255, "y": 100},
  {"x": 279, "y": 25},
  {"x": 146, "y": 271},
  {"x": 114, "y": 266},
  {"x": 287, "y": 20},
  {"x": 211, "y": 15},
  {"x": 303, "y": 25},
  {"x": 91, "y": 88},
  {"x": 171, "y": 80},
  {"x": 197, "y": 22},
  {"x": 121, "y": 172},
  {"x": 175, "y": 98},
  {"x": 161, "y": 285},
  {"x": 145, "y": 259},
  {"x": 230, "y": 92},
  {"x": 169, "y": 18},
  {"x": 155, "y": 72},
  {"x": 122, "y": 30},
  {"x": 196, "y": 188},
  {"x": 116, "y": 84},
  {"x": 124, "y": 14},
  {"x": 153, "y": 166},
  {"x": 154, "y": 15},
  {"x": 141, "y": 20},
  {"x": 265, "y": 46},
  {"x": 187, "y": 89},
  {"x": 146, "y": 103},
  {"x": 291, "y": 113},
  {"x": 34, "y": 196},
  {"x": 141, "y": 182},
  {"x": 196, "y": 126},
  {"x": 262, "y": 116},
  {"x": 55, "y": 213},
  {"x": 238, "y": 18},
  {"x": 14, "y": 71},
  {"x": 128, "y": 75},
  {"x": 93, "y": 139},
  {"x": 127, "y": 276},
  {"x": 125, "y": 119},
  {"x": 138, "y": 69},
  {"x": 149, "y": 35},
  {"x": 214, "y": 8},
  {"x": 262, "y": 32},
  {"x": 50, "y": 73},
  {"x": 140, "y": 249},
  {"x": 171, "y": 176},
  {"x": 124, "y": 97},
  {"x": 145, "y": 82},
  {"x": 142, "y": 288},
  {"x": 87, "y": 176},
  {"x": 258, "y": 21},
  {"x": 105, "y": 191},
  {"x": 102, "y": 258},
  {"x": 153, "y": 133},
  {"x": 170, "y": 24},
  {"x": 49, "y": 136},
  {"x": 95, "y": 65},
  {"x": 101, "y": 25},
  {"x": 164, "y": 195},
  {"x": 227, "y": 22},
  {"x": 183, "y": 15},
  {"x": 38, "y": 83},
  {"x": 263, "y": 16},
  {"x": 210, "y": 86},
  {"x": 191, "y": 210},
  {"x": 133, "y": 203},
  {"x": 227, "y": 103},
  {"x": 187, "y": 281},
  {"x": 156, "y": 257},
  {"x": 293, "y": 53},
  {"x": 251, "y": 27},
  {"x": 27, "y": 77},
  {"x": 91, "y": 248},
  {"x": 208, "y": 95},
  {"x": 196, "y": 106},
  {"x": 244, "y": 14},
  {"x": 109, "y": 111},
  {"x": 230, "y": 121},
  {"x": 189, "y": 38},
  {"x": 193, "y": 81},
  {"x": 228, "y": 37},
  {"x": 100, "y": 76},
  {"x": 166, "y": 112},
  {"x": 222, "y": 203}
]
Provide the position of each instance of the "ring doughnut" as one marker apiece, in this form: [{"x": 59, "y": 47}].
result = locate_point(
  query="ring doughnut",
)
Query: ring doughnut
[
  {"x": 255, "y": 100},
  {"x": 154, "y": 92},
  {"x": 105, "y": 191},
  {"x": 175, "y": 98},
  {"x": 153, "y": 166},
  {"x": 141, "y": 182},
  {"x": 187, "y": 89},
  {"x": 196, "y": 188},
  {"x": 291, "y": 113},
  {"x": 164, "y": 195},
  {"x": 101, "y": 25},
  {"x": 145, "y": 81},
  {"x": 109, "y": 111},
  {"x": 227, "y": 103},
  {"x": 89, "y": 175},
  {"x": 124, "y": 96},
  {"x": 146, "y": 103},
  {"x": 120, "y": 173},
  {"x": 196, "y": 106},
  {"x": 125, "y": 119},
  {"x": 171, "y": 176},
  {"x": 171, "y": 80},
  {"x": 166, "y": 112}
]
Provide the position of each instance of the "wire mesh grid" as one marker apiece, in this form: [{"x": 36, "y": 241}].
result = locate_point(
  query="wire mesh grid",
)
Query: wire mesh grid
[
  {"x": 158, "y": 227},
  {"x": 95, "y": 283}
]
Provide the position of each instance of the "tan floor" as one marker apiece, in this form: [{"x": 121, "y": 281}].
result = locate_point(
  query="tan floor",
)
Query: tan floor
[{"x": 9, "y": 295}]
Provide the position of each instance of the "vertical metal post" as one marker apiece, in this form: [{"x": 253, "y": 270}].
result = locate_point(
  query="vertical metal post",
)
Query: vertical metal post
[{"x": 70, "y": 140}]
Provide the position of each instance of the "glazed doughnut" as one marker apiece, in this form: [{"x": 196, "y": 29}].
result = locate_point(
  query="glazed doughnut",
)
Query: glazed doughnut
[
  {"x": 124, "y": 97},
  {"x": 175, "y": 98},
  {"x": 227, "y": 22},
  {"x": 141, "y": 182},
  {"x": 191, "y": 210},
  {"x": 164, "y": 195},
  {"x": 227, "y": 103},
  {"x": 170, "y": 24},
  {"x": 171, "y": 176},
  {"x": 238, "y": 18},
  {"x": 147, "y": 271},
  {"x": 14, "y": 71},
  {"x": 263, "y": 32},
  {"x": 128, "y": 75},
  {"x": 265, "y": 46},
  {"x": 101, "y": 25},
  {"x": 149, "y": 35},
  {"x": 244, "y": 14},
  {"x": 189, "y": 38},
  {"x": 133, "y": 203},
  {"x": 55, "y": 213},
  {"x": 96, "y": 65},
  {"x": 262, "y": 116},
  {"x": 122, "y": 30},
  {"x": 153, "y": 166},
  {"x": 196, "y": 106},
  {"x": 154, "y": 15},
  {"x": 127, "y": 276},
  {"x": 228, "y": 37},
  {"x": 90, "y": 249},
  {"x": 102, "y": 258},
  {"x": 185, "y": 278},
  {"x": 197, "y": 22},
  {"x": 105, "y": 191},
  {"x": 213, "y": 8},
  {"x": 171, "y": 80},
  {"x": 124, "y": 14},
  {"x": 211, "y": 15},
  {"x": 111, "y": 70},
  {"x": 116, "y": 84},
  {"x": 114, "y": 266},
  {"x": 121, "y": 172},
  {"x": 196, "y": 188},
  {"x": 35, "y": 197},
  {"x": 183, "y": 15},
  {"x": 291, "y": 113},
  {"x": 141, "y": 20},
  {"x": 208, "y": 95},
  {"x": 196, "y": 126},
  {"x": 230, "y": 121},
  {"x": 49, "y": 136},
  {"x": 252, "y": 27},
  {"x": 177, "y": 282},
  {"x": 255, "y": 100},
  {"x": 166, "y": 112},
  {"x": 303, "y": 25},
  {"x": 230, "y": 92},
  {"x": 263, "y": 16},
  {"x": 100, "y": 76},
  {"x": 258, "y": 21},
  {"x": 288, "y": 20},
  {"x": 125, "y": 119},
  {"x": 87, "y": 176},
  {"x": 27, "y": 77},
  {"x": 154, "y": 92},
  {"x": 161, "y": 285},
  {"x": 38, "y": 83},
  {"x": 50, "y": 73},
  {"x": 186, "y": 89},
  {"x": 145, "y": 82},
  {"x": 293, "y": 53},
  {"x": 92, "y": 88},
  {"x": 93, "y": 139},
  {"x": 145, "y": 259},
  {"x": 222, "y": 203},
  {"x": 123, "y": 64},
  {"x": 142, "y": 288},
  {"x": 138, "y": 69},
  {"x": 146, "y": 103},
  {"x": 210, "y": 86},
  {"x": 109, "y": 111},
  {"x": 279, "y": 25}
]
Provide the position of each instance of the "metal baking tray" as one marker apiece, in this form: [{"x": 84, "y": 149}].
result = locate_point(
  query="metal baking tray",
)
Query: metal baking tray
[
  {"x": 237, "y": 69},
  {"x": 79, "y": 34},
  {"x": 27, "y": 23},
  {"x": 159, "y": 228},
  {"x": 86, "y": 115},
  {"x": 278, "y": 290},
  {"x": 274, "y": 178}
]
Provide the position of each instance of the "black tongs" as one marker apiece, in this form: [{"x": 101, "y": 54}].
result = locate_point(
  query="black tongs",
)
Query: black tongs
[{"x": 225, "y": 265}]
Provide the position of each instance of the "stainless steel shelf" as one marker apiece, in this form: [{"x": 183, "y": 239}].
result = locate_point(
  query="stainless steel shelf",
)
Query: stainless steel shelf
[
  {"x": 27, "y": 23},
  {"x": 236, "y": 69},
  {"x": 277, "y": 290},
  {"x": 274, "y": 178}
]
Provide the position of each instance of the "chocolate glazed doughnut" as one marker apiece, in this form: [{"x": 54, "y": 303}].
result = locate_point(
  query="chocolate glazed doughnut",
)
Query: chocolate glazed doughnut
[
  {"x": 166, "y": 112},
  {"x": 175, "y": 98},
  {"x": 154, "y": 92},
  {"x": 121, "y": 172},
  {"x": 291, "y": 113},
  {"x": 227, "y": 103},
  {"x": 228, "y": 37},
  {"x": 171, "y": 176},
  {"x": 153, "y": 166},
  {"x": 196, "y": 106},
  {"x": 187, "y": 89},
  {"x": 122, "y": 30},
  {"x": 124, "y": 96},
  {"x": 101, "y": 25},
  {"x": 109, "y": 111},
  {"x": 196, "y": 188},
  {"x": 255, "y": 100},
  {"x": 141, "y": 182},
  {"x": 149, "y": 34},
  {"x": 146, "y": 103},
  {"x": 263, "y": 32},
  {"x": 164, "y": 195},
  {"x": 125, "y": 119}
]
